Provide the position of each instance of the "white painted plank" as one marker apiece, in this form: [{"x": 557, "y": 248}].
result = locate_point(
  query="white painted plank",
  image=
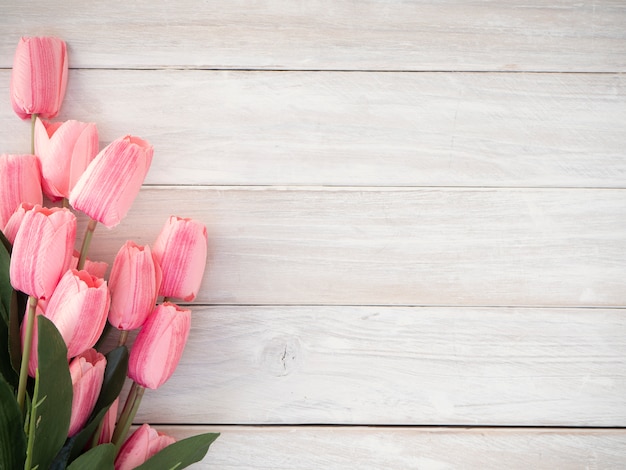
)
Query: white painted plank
[
  {"x": 332, "y": 448},
  {"x": 327, "y": 34},
  {"x": 399, "y": 366},
  {"x": 389, "y": 129},
  {"x": 347, "y": 246}
]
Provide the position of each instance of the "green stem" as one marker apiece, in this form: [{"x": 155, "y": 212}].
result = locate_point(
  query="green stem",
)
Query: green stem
[
  {"x": 96, "y": 435},
  {"x": 28, "y": 342},
  {"x": 91, "y": 226},
  {"x": 123, "y": 338},
  {"x": 128, "y": 415},
  {"x": 32, "y": 424},
  {"x": 33, "y": 119}
]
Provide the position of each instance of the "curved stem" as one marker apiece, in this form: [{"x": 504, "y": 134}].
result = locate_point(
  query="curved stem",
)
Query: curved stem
[
  {"x": 32, "y": 424},
  {"x": 33, "y": 119},
  {"x": 128, "y": 415},
  {"x": 91, "y": 226},
  {"x": 28, "y": 342}
]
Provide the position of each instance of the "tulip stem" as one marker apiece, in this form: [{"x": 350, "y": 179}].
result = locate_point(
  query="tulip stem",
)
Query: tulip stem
[
  {"x": 91, "y": 226},
  {"x": 128, "y": 415},
  {"x": 123, "y": 338},
  {"x": 32, "y": 425},
  {"x": 28, "y": 342},
  {"x": 33, "y": 119}
]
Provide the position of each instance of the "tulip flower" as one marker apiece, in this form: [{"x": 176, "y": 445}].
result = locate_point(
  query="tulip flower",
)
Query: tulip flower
[
  {"x": 134, "y": 284},
  {"x": 144, "y": 443},
  {"x": 42, "y": 250},
  {"x": 20, "y": 181},
  {"x": 108, "y": 187},
  {"x": 87, "y": 372},
  {"x": 181, "y": 250},
  {"x": 65, "y": 149},
  {"x": 39, "y": 76},
  {"x": 78, "y": 308},
  {"x": 159, "y": 345}
]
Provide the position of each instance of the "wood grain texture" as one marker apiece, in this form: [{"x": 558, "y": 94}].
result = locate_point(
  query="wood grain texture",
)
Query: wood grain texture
[
  {"x": 332, "y": 448},
  {"x": 399, "y": 366},
  {"x": 378, "y": 129},
  {"x": 326, "y": 34},
  {"x": 376, "y": 246}
]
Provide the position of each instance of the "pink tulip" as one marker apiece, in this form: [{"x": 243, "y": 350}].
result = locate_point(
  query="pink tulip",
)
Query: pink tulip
[
  {"x": 108, "y": 187},
  {"x": 14, "y": 222},
  {"x": 20, "y": 181},
  {"x": 78, "y": 308},
  {"x": 39, "y": 76},
  {"x": 64, "y": 150},
  {"x": 42, "y": 250},
  {"x": 95, "y": 268},
  {"x": 144, "y": 443},
  {"x": 87, "y": 372},
  {"x": 108, "y": 422},
  {"x": 159, "y": 345},
  {"x": 181, "y": 250},
  {"x": 134, "y": 284}
]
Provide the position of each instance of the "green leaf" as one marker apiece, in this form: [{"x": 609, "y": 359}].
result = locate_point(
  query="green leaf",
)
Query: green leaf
[
  {"x": 181, "y": 454},
  {"x": 12, "y": 437},
  {"x": 19, "y": 301},
  {"x": 114, "y": 377},
  {"x": 100, "y": 457},
  {"x": 55, "y": 395},
  {"x": 6, "y": 290},
  {"x": 6, "y": 369}
]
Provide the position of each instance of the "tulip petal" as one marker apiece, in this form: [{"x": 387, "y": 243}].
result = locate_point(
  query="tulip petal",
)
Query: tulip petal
[
  {"x": 39, "y": 76},
  {"x": 109, "y": 185},
  {"x": 87, "y": 372},
  {"x": 20, "y": 181},
  {"x": 159, "y": 345}
]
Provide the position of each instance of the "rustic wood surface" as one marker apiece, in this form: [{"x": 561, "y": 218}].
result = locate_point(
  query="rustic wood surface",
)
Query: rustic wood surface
[
  {"x": 358, "y": 129},
  {"x": 416, "y": 211}
]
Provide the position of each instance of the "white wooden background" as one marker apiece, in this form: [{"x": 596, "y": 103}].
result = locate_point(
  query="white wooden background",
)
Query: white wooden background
[{"x": 417, "y": 219}]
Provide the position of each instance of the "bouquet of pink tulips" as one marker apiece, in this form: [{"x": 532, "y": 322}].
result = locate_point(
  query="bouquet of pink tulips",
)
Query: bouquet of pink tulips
[{"x": 59, "y": 393}]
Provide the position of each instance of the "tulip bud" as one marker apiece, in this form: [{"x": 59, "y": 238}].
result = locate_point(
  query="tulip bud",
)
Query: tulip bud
[
  {"x": 144, "y": 443},
  {"x": 181, "y": 250},
  {"x": 65, "y": 149},
  {"x": 20, "y": 181},
  {"x": 78, "y": 308},
  {"x": 134, "y": 285},
  {"x": 87, "y": 372},
  {"x": 108, "y": 187},
  {"x": 42, "y": 250},
  {"x": 159, "y": 345},
  {"x": 39, "y": 76}
]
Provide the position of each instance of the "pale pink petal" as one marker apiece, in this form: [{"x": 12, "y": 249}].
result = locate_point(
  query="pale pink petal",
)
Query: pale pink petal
[
  {"x": 109, "y": 185},
  {"x": 87, "y": 372},
  {"x": 159, "y": 345},
  {"x": 181, "y": 251},
  {"x": 20, "y": 181}
]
